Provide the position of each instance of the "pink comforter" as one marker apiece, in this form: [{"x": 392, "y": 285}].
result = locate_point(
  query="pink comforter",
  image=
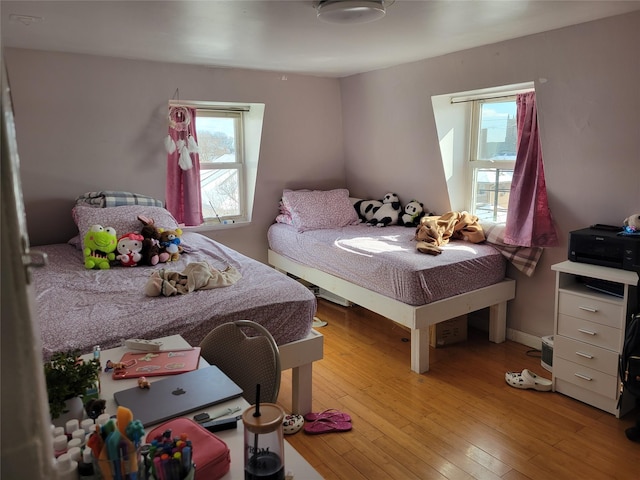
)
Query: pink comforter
[
  {"x": 79, "y": 308},
  {"x": 385, "y": 260}
]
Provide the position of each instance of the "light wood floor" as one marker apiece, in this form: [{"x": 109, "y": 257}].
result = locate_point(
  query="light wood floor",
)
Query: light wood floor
[{"x": 459, "y": 420}]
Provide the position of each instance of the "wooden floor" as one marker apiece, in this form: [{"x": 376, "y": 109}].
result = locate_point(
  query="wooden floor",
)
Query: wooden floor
[{"x": 459, "y": 420}]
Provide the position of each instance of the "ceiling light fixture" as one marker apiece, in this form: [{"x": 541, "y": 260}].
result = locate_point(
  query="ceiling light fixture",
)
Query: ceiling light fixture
[
  {"x": 351, "y": 11},
  {"x": 24, "y": 19}
]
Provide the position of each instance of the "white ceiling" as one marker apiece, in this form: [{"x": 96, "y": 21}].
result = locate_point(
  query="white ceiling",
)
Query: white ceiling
[{"x": 285, "y": 36}]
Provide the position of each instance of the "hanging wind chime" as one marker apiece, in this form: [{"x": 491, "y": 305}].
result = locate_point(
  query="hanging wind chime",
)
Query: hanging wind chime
[{"x": 185, "y": 144}]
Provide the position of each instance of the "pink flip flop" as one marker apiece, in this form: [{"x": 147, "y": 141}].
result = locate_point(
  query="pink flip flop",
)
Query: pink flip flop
[
  {"x": 324, "y": 425},
  {"x": 330, "y": 414}
]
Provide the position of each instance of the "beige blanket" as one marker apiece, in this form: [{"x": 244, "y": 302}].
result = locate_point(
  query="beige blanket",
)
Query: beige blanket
[
  {"x": 436, "y": 230},
  {"x": 195, "y": 276}
]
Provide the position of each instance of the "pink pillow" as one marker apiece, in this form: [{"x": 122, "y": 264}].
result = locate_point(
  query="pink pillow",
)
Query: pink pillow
[
  {"x": 124, "y": 218},
  {"x": 318, "y": 209},
  {"x": 282, "y": 218}
]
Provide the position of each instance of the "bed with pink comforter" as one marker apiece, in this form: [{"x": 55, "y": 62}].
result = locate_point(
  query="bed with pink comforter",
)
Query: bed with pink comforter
[
  {"x": 79, "y": 308},
  {"x": 385, "y": 261}
]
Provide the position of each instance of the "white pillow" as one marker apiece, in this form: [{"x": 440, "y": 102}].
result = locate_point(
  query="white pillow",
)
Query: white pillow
[{"x": 318, "y": 209}]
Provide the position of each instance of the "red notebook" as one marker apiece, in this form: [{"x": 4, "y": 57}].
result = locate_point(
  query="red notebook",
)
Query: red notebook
[{"x": 152, "y": 364}]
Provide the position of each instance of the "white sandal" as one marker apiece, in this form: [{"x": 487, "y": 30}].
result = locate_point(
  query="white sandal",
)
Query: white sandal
[{"x": 527, "y": 379}]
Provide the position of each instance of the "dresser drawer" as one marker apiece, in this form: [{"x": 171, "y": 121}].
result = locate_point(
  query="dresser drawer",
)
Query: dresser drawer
[
  {"x": 591, "y": 308},
  {"x": 589, "y": 332},
  {"x": 586, "y": 378},
  {"x": 582, "y": 353}
]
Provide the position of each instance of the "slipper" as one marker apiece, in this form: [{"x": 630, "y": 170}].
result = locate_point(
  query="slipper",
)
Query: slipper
[
  {"x": 527, "y": 379},
  {"x": 324, "y": 425},
  {"x": 330, "y": 414},
  {"x": 318, "y": 323},
  {"x": 292, "y": 424}
]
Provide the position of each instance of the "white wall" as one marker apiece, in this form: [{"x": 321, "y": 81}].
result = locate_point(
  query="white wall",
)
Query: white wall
[
  {"x": 88, "y": 123},
  {"x": 587, "y": 81}
]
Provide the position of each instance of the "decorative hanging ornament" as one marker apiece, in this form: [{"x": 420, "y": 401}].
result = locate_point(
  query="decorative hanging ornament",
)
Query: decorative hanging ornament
[
  {"x": 185, "y": 159},
  {"x": 169, "y": 144},
  {"x": 179, "y": 118},
  {"x": 192, "y": 145}
]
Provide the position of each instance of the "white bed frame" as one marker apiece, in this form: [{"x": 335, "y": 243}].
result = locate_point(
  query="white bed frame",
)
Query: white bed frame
[
  {"x": 416, "y": 318},
  {"x": 299, "y": 356}
]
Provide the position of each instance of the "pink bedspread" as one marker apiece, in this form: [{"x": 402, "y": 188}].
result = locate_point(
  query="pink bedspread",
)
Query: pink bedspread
[
  {"x": 385, "y": 260},
  {"x": 79, "y": 308}
]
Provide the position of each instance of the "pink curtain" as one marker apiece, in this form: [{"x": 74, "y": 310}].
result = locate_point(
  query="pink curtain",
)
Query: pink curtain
[
  {"x": 183, "y": 168},
  {"x": 529, "y": 222}
]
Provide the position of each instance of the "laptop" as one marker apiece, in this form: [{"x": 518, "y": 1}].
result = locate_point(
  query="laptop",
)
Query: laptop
[{"x": 177, "y": 395}]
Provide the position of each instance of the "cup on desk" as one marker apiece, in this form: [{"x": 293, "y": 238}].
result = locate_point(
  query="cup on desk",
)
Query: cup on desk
[{"x": 263, "y": 442}]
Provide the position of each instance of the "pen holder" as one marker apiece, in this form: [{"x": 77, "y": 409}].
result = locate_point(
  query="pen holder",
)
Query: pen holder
[
  {"x": 190, "y": 476},
  {"x": 125, "y": 466}
]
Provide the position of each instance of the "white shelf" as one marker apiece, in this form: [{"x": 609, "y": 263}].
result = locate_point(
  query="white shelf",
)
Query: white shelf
[
  {"x": 587, "y": 320},
  {"x": 596, "y": 271}
]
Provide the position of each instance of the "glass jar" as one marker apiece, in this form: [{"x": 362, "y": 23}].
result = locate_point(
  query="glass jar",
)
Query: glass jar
[{"x": 263, "y": 442}]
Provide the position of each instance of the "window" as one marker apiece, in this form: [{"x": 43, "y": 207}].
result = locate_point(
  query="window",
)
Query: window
[
  {"x": 477, "y": 135},
  {"x": 492, "y": 156},
  {"x": 222, "y": 178}
]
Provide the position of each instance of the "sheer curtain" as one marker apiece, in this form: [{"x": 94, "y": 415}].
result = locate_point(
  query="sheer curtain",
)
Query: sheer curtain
[
  {"x": 529, "y": 222},
  {"x": 183, "y": 167}
]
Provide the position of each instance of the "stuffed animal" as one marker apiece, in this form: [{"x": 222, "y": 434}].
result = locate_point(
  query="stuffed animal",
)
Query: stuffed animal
[
  {"x": 413, "y": 212},
  {"x": 151, "y": 252},
  {"x": 129, "y": 249},
  {"x": 366, "y": 209},
  {"x": 632, "y": 223},
  {"x": 99, "y": 244},
  {"x": 388, "y": 213},
  {"x": 170, "y": 243}
]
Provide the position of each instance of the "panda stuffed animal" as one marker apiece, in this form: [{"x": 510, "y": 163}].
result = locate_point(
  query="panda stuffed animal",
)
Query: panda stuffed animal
[
  {"x": 388, "y": 213},
  {"x": 412, "y": 213},
  {"x": 366, "y": 209}
]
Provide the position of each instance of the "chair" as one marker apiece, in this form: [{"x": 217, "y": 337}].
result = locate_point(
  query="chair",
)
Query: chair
[{"x": 247, "y": 360}]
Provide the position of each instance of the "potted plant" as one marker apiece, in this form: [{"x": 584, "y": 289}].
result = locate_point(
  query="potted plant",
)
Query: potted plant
[{"x": 68, "y": 376}]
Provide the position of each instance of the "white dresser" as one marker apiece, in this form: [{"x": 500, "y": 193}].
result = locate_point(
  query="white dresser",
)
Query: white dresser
[{"x": 589, "y": 329}]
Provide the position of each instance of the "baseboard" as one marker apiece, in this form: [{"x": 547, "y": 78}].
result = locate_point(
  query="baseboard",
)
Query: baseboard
[{"x": 524, "y": 338}]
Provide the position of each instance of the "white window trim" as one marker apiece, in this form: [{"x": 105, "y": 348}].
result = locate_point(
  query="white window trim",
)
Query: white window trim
[
  {"x": 253, "y": 118},
  {"x": 452, "y": 113},
  {"x": 474, "y": 164}
]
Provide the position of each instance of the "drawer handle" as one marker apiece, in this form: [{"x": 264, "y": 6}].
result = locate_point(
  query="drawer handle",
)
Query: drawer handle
[
  {"x": 584, "y": 377},
  {"x": 588, "y": 332},
  {"x": 589, "y": 309},
  {"x": 585, "y": 355}
]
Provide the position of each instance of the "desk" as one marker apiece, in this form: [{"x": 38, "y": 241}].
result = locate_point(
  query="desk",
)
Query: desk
[{"x": 295, "y": 464}]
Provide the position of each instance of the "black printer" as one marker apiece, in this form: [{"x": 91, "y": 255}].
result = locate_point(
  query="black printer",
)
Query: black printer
[{"x": 600, "y": 246}]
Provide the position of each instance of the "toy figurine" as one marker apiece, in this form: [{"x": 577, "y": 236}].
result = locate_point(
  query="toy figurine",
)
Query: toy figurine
[
  {"x": 143, "y": 382},
  {"x": 95, "y": 407}
]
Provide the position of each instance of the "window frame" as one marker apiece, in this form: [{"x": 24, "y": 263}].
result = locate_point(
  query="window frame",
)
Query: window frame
[
  {"x": 475, "y": 164},
  {"x": 238, "y": 165}
]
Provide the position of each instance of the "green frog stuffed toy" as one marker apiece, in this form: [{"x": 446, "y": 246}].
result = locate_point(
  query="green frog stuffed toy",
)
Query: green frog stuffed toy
[{"x": 100, "y": 244}]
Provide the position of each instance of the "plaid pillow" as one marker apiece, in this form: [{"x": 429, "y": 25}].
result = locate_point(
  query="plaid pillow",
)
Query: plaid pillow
[{"x": 112, "y": 198}]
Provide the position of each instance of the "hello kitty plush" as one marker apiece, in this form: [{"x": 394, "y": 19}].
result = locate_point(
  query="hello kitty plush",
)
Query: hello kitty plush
[{"x": 129, "y": 249}]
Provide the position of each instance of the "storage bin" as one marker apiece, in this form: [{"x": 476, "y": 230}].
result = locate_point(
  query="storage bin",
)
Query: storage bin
[{"x": 448, "y": 332}]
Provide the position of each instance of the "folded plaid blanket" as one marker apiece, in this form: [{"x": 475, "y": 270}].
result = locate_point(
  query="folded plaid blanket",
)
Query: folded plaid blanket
[
  {"x": 524, "y": 259},
  {"x": 111, "y": 198}
]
